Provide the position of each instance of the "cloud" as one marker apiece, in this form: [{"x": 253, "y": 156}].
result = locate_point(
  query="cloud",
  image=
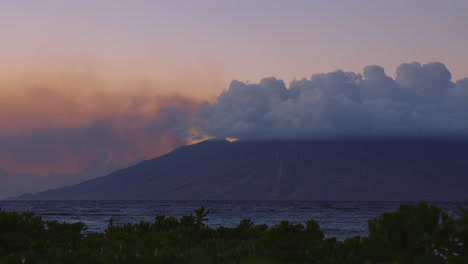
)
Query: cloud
[
  {"x": 420, "y": 102},
  {"x": 63, "y": 128}
]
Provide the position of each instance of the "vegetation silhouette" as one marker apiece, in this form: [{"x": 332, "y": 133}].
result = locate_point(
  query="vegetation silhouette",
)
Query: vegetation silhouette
[{"x": 413, "y": 234}]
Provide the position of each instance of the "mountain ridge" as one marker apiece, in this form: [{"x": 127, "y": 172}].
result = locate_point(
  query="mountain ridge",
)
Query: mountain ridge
[{"x": 396, "y": 169}]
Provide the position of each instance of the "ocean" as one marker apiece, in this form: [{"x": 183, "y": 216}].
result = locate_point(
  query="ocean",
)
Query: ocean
[{"x": 336, "y": 218}]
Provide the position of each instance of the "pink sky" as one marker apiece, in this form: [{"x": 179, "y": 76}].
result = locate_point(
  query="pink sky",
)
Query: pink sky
[
  {"x": 67, "y": 67},
  {"x": 245, "y": 40}
]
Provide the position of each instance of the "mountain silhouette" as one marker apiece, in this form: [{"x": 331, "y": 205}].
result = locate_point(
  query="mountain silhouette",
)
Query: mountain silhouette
[{"x": 379, "y": 170}]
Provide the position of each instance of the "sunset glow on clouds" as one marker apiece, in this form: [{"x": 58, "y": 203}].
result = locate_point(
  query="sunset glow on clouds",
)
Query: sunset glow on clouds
[
  {"x": 87, "y": 87},
  {"x": 69, "y": 124},
  {"x": 61, "y": 123}
]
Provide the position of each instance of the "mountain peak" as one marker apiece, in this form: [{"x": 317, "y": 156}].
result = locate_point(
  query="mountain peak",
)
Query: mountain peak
[{"x": 288, "y": 170}]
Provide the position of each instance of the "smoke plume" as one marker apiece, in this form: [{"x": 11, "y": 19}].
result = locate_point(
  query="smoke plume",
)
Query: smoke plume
[{"x": 58, "y": 129}]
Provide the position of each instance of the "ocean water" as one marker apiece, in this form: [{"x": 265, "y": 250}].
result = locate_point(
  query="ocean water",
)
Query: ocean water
[{"x": 336, "y": 219}]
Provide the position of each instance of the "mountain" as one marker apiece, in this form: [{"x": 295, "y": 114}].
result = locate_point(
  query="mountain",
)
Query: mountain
[{"x": 288, "y": 170}]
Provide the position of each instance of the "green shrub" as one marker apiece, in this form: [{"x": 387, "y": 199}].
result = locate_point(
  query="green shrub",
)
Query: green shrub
[{"x": 412, "y": 234}]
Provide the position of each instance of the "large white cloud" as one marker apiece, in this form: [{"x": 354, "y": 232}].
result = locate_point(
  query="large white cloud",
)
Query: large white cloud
[{"x": 420, "y": 102}]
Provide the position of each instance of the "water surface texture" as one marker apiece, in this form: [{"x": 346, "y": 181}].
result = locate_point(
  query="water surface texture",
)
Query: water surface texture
[{"x": 336, "y": 219}]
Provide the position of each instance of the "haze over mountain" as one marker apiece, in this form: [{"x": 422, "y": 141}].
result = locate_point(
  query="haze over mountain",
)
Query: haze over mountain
[
  {"x": 396, "y": 169},
  {"x": 92, "y": 133},
  {"x": 90, "y": 87}
]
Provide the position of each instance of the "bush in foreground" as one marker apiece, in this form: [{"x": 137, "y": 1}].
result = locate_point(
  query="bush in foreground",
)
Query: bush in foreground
[{"x": 412, "y": 234}]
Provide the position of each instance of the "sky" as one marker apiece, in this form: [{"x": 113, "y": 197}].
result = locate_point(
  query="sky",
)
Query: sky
[{"x": 89, "y": 87}]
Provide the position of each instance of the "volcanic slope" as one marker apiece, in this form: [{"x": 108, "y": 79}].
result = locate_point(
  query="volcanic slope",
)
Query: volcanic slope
[{"x": 379, "y": 170}]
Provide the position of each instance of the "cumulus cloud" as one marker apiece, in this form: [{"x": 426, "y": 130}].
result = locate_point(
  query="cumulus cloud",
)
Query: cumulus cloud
[{"x": 420, "y": 102}]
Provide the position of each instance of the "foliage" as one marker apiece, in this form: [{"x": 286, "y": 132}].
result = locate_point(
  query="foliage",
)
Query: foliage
[{"x": 412, "y": 234}]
